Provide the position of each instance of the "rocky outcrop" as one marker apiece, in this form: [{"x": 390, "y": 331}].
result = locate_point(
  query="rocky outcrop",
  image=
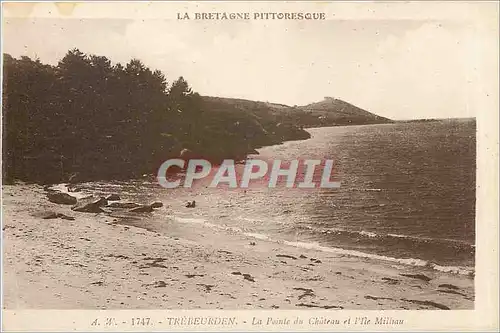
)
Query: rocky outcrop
[
  {"x": 61, "y": 198},
  {"x": 90, "y": 204}
]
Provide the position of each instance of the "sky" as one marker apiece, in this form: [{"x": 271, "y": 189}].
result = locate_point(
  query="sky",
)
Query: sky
[{"x": 397, "y": 68}]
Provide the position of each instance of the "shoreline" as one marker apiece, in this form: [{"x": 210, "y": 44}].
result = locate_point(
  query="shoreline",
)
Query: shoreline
[
  {"x": 93, "y": 262},
  {"x": 318, "y": 245}
]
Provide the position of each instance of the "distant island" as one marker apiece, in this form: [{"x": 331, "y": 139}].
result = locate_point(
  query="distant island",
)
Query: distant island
[
  {"x": 86, "y": 119},
  {"x": 429, "y": 120}
]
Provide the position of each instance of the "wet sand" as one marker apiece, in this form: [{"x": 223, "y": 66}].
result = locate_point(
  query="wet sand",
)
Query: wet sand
[{"x": 94, "y": 263}]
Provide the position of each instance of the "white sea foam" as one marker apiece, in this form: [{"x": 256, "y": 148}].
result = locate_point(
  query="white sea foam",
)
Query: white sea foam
[
  {"x": 454, "y": 269},
  {"x": 398, "y": 236},
  {"x": 403, "y": 261},
  {"x": 368, "y": 234},
  {"x": 208, "y": 224},
  {"x": 354, "y": 253},
  {"x": 316, "y": 246},
  {"x": 257, "y": 236},
  {"x": 432, "y": 239}
]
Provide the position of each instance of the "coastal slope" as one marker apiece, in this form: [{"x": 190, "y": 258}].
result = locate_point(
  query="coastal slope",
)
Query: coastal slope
[
  {"x": 327, "y": 112},
  {"x": 90, "y": 119}
]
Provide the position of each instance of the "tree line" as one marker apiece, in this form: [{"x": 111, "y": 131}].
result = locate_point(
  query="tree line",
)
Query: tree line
[{"x": 100, "y": 120}]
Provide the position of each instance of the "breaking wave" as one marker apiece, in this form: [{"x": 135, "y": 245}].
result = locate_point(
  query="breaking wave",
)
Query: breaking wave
[{"x": 469, "y": 271}]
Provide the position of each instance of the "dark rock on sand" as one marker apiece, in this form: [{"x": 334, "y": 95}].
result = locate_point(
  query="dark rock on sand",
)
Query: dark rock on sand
[
  {"x": 449, "y": 286},
  {"x": 208, "y": 287},
  {"x": 48, "y": 188},
  {"x": 146, "y": 208},
  {"x": 246, "y": 276},
  {"x": 66, "y": 217},
  {"x": 119, "y": 256},
  {"x": 90, "y": 205},
  {"x": 160, "y": 284},
  {"x": 156, "y": 204},
  {"x": 125, "y": 205},
  {"x": 375, "y": 298},
  {"x": 190, "y": 276},
  {"x": 427, "y": 303},
  {"x": 155, "y": 262},
  {"x": 191, "y": 204},
  {"x": 417, "y": 276},
  {"x": 61, "y": 198},
  {"x": 286, "y": 256},
  {"x": 390, "y": 280},
  {"x": 307, "y": 292},
  {"x": 448, "y": 291},
  {"x": 113, "y": 197},
  {"x": 142, "y": 209}
]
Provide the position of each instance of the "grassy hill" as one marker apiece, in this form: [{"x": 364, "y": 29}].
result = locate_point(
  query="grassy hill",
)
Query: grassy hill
[
  {"x": 328, "y": 112},
  {"x": 254, "y": 124}
]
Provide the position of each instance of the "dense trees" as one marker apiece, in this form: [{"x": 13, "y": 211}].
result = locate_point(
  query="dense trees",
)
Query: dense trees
[{"x": 106, "y": 121}]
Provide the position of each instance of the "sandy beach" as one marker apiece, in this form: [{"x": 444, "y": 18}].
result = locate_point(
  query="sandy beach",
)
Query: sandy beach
[{"x": 94, "y": 262}]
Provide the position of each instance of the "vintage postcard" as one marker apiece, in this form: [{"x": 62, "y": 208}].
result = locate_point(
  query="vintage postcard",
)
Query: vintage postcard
[{"x": 250, "y": 166}]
